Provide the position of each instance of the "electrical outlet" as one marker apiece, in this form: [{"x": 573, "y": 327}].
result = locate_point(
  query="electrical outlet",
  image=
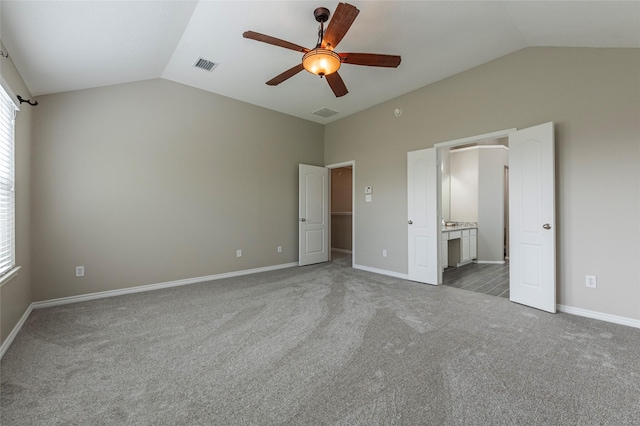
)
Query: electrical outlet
[
  {"x": 591, "y": 281},
  {"x": 384, "y": 253},
  {"x": 79, "y": 271},
  {"x": 238, "y": 253},
  {"x": 279, "y": 249}
]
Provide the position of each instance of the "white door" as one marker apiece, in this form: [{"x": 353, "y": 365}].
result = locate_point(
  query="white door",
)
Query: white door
[
  {"x": 532, "y": 239},
  {"x": 422, "y": 222},
  {"x": 313, "y": 219}
]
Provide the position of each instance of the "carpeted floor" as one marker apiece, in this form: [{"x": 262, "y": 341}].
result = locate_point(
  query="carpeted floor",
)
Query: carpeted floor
[{"x": 323, "y": 344}]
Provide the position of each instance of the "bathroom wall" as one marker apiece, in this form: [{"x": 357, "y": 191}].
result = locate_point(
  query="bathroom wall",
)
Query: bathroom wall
[{"x": 463, "y": 165}]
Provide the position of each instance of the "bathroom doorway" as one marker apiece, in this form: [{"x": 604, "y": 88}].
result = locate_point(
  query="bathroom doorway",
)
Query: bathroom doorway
[{"x": 474, "y": 208}]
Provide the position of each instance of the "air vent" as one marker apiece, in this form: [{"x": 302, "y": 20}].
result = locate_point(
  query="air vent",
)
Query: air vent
[
  {"x": 205, "y": 64},
  {"x": 325, "y": 112}
]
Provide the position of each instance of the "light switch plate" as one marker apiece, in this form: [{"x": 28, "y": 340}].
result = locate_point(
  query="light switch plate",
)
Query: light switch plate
[
  {"x": 368, "y": 189},
  {"x": 367, "y": 198}
]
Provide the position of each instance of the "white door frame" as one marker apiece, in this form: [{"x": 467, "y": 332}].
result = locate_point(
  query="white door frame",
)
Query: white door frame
[
  {"x": 453, "y": 143},
  {"x": 351, "y": 163}
]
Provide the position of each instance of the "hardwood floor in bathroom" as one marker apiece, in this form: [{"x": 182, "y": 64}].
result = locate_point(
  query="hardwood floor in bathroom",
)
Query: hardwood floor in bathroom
[{"x": 484, "y": 278}]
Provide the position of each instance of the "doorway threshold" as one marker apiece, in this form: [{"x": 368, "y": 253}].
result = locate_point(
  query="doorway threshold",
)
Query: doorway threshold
[{"x": 486, "y": 278}]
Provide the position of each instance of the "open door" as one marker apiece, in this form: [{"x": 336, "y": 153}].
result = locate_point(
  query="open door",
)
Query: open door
[
  {"x": 313, "y": 216},
  {"x": 532, "y": 241},
  {"x": 422, "y": 222}
]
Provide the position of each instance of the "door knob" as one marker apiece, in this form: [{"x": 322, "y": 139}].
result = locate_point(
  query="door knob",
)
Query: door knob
[
  {"x": 410, "y": 222},
  {"x": 303, "y": 220},
  {"x": 546, "y": 226}
]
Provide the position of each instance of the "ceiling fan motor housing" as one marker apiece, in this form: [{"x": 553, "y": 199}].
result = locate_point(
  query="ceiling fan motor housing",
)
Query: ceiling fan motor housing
[{"x": 321, "y": 14}]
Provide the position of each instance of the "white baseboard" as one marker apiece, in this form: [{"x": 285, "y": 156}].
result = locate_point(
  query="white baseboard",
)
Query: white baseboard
[
  {"x": 103, "y": 294},
  {"x": 599, "y": 316},
  {"x": 381, "y": 271},
  {"x": 139, "y": 289},
  {"x": 491, "y": 262},
  {"x": 341, "y": 250},
  {"x": 150, "y": 287},
  {"x": 14, "y": 332}
]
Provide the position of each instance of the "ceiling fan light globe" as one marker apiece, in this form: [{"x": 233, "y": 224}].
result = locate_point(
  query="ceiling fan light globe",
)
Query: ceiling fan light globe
[{"x": 321, "y": 61}]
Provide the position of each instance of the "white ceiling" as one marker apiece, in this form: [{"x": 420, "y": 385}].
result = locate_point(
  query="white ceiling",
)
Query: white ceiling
[{"x": 60, "y": 46}]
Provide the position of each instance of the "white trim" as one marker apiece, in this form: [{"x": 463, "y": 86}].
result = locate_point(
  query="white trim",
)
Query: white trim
[
  {"x": 130, "y": 290},
  {"x": 478, "y": 138},
  {"x": 12, "y": 95},
  {"x": 9, "y": 340},
  {"x": 351, "y": 163},
  {"x": 382, "y": 272},
  {"x": 150, "y": 287},
  {"x": 339, "y": 250},
  {"x": 339, "y": 165},
  {"x": 599, "y": 316},
  {"x": 469, "y": 148},
  {"x": 7, "y": 277},
  {"x": 491, "y": 262},
  {"x": 66, "y": 300}
]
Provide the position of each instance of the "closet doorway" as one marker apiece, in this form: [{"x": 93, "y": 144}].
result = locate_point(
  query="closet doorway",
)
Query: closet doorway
[{"x": 341, "y": 212}]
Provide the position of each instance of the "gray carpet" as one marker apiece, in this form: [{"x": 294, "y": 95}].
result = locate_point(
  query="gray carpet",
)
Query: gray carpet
[{"x": 323, "y": 344}]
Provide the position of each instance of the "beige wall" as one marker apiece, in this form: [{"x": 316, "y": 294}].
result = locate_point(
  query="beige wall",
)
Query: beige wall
[
  {"x": 593, "y": 96},
  {"x": 341, "y": 191},
  {"x": 153, "y": 181},
  {"x": 15, "y": 294}
]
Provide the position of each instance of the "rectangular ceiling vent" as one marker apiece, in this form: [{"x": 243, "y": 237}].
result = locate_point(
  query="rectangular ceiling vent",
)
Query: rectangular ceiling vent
[
  {"x": 205, "y": 64},
  {"x": 325, "y": 112}
]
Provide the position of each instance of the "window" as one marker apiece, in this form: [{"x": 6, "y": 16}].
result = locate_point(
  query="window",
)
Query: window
[{"x": 7, "y": 184}]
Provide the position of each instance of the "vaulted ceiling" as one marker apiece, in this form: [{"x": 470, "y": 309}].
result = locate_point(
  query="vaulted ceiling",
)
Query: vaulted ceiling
[{"x": 59, "y": 46}]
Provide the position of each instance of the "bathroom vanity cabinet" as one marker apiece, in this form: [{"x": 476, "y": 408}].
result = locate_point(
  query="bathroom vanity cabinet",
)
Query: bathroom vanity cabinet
[{"x": 459, "y": 246}]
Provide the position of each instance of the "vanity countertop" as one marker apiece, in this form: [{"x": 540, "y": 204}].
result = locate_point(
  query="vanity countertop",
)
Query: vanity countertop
[{"x": 462, "y": 225}]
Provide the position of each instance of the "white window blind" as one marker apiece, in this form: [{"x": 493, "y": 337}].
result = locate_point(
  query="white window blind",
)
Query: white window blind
[{"x": 7, "y": 183}]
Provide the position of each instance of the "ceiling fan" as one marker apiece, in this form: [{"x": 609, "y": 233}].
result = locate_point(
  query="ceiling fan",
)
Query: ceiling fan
[{"x": 322, "y": 60}]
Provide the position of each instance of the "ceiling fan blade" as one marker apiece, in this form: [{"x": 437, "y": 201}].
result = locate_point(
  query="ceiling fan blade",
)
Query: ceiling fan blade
[
  {"x": 275, "y": 41},
  {"x": 285, "y": 75},
  {"x": 370, "y": 59},
  {"x": 336, "y": 84},
  {"x": 340, "y": 23}
]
